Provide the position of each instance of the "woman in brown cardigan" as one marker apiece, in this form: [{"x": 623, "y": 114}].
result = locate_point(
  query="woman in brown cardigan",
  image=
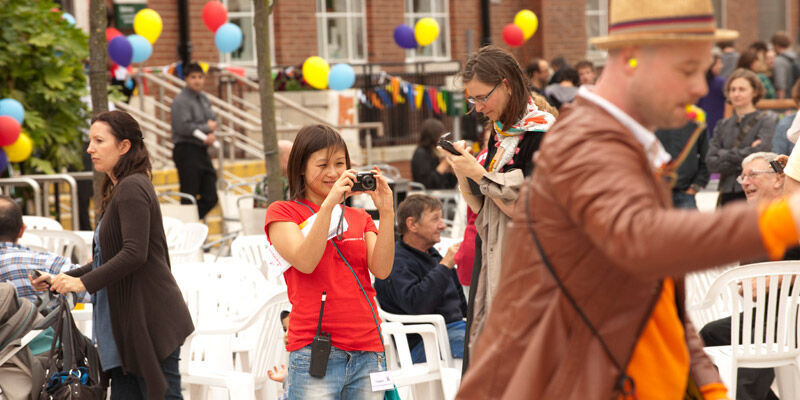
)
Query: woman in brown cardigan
[{"x": 140, "y": 319}]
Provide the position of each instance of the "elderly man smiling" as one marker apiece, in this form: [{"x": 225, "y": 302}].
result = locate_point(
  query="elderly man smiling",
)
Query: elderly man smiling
[{"x": 761, "y": 182}]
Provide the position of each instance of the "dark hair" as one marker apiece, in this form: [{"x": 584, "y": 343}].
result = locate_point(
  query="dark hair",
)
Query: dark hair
[
  {"x": 10, "y": 219},
  {"x": 759, "y": 46},
  {"x": 284, "y": 314},
  {"x": 796, "y": 92},
  {"x": 709, "y": 73},
  {"x": 725, "y": 45},
  {"x": 191, "y": 68},
  {"x": 413, "y": 206},
  {"x": 747, "y": 58},
  {"x": 569, "y": 74},
  {"x": 558, "y": 63},
  {"x": 584, "y": 64},
  {"x": 750, "y": 76},
  {"x": 781, "y": 39},
  {"x": 432, "y": 130},
  {"x": 534, "y": 66},
  {"x": 310, "y": 139},
  {"x": 136, "y": 161},
  {"x": 491, "y": 65}
]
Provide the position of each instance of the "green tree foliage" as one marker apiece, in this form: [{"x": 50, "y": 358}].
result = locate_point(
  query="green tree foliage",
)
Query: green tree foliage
[{"x": 41, "y": 66}]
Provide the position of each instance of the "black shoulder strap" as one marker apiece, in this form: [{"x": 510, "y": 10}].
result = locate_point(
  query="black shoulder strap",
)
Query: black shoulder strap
[
  {"x": 743, "y": 129},
  {"x": 624, "y": 384}
]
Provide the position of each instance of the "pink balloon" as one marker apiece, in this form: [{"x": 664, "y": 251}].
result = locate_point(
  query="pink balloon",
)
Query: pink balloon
[
  {"x": 513, "y": 35},
  {"x": 9, "y": 130},
  {"x": 214, "y": 15}
]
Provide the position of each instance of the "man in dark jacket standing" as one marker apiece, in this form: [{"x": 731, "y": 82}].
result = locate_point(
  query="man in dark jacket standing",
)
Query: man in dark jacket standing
[
  {"x": 692, "y": 175},
  {"x": 193, "y": 126},
  {"x": 422, "y": 281}
]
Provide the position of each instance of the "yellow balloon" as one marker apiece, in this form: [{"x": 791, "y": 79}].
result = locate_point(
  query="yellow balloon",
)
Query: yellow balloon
[
  {"x": 527, "y": 21},
  {"x": 20, "y": 150},
  {"x": 426, "y": 31},
  {"x": 315, "y": 72},
  {"x": 148, "y": 23}
]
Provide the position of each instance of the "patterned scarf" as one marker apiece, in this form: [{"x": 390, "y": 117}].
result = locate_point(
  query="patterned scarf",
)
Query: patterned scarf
[{"x": 508, "y": 140}]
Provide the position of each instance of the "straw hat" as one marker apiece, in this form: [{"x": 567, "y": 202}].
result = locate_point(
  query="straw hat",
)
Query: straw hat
[{"x": 638, "y": 22}]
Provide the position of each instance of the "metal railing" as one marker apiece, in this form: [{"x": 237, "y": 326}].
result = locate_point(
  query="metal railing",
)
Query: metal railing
[
  {"x": 55, "y": 179},
  {"x": 7, "y": 183}
]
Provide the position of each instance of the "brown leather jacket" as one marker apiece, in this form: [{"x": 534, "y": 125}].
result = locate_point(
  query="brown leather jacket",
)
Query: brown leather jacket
[{"x": 606, "y": 223}]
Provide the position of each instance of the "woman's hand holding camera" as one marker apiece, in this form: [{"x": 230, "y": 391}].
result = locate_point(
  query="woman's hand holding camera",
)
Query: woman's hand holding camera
[
  {"x": 382, "y": 195},
  {"x": 341, "y": 189}
]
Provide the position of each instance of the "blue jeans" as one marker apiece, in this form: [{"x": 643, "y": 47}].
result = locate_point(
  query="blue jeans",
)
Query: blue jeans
[
  {"x": 683, "y": 200},
  {"x": 346, "y": 377},
  {"x": 124, "y": 387},
  {"x": 455, "y": 333}
]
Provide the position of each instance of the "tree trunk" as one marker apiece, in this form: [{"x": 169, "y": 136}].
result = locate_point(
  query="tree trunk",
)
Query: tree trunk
[
  {"x": 98, "y": 75},
  {"x": 266, "y": 95}
]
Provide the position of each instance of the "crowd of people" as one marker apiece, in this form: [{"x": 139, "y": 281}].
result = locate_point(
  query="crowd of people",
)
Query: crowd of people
[{"x": 569, "y": 280}]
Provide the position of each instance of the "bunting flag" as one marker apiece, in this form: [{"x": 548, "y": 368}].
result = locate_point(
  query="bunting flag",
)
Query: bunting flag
[
  {"x": 384, "y": 97},
  {"x": 391, "y": 91},
  {"x": 376, "y": 102},
  {"x": 440, "y": 100},
  {"x": 420, "y": 95},
  {"x": 410, "y": 93},
  {"x": 433, "y": 101}
]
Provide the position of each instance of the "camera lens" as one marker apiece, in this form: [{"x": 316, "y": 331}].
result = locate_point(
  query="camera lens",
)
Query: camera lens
[{"x": 368, "y": 182}]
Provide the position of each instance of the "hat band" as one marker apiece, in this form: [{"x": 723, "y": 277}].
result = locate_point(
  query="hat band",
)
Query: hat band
[{"x": 691, "y": 24}]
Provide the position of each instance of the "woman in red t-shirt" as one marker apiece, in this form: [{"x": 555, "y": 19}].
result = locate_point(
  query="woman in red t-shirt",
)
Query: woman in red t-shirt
[{"x": 320, "y": 178}]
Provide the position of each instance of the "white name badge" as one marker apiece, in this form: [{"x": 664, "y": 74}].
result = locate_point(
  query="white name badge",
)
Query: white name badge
[{"x": 381, "y": 381}]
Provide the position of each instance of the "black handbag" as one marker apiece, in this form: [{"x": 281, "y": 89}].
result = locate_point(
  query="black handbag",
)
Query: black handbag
[{"x": 73, "y": 365}]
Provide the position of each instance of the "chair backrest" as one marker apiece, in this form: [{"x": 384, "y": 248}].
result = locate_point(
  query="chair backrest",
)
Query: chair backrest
[
  {"x": 172, "y": 208},
  {"x": 64, "y": 243},
  {"x": 697, "y": 285},
  {"x": 269, "y": 348},
  {"x": 252, "y": 249},
  {"x": 172, "y": 228},
  {"x": 252, "y": 220},
  {"x": 770, "y": 303},
  {"x": 38, "y": 223},
  {"x": 189, "y": 243}
]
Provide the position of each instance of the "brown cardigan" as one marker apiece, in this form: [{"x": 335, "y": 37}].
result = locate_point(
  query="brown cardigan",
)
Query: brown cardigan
[
  {"x": 607, "y": 225},
  {"x": 148, "y": 315}
]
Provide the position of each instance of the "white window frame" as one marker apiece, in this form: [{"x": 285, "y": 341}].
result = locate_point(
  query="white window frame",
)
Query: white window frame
[
  {"x": 596, "y": 55},
  {"x": 349, "y": 15},
  {"x": 444, "y": 31},
  {"x": 225, "y": 58}
]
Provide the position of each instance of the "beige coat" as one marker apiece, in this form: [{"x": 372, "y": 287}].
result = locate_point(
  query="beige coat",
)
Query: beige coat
[{"x": 606, "y": 223}]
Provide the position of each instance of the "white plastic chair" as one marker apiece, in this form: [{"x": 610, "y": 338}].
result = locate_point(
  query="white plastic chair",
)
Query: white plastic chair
[
  {"x": 172, "y": 208},
  {"x": 440, "y": 329},
  {"x": 767, "y": 304},
  {"x": 251, "y": 218},
  {"x": 189, "y": 243},
  {"x": 64, "y": 243},
  {"x": 697, "y": 285},
  {"x": 251, "y": 248},
  {"x": 38, "y": 223},
  {"x": 240, "y": 384},
  {"x": 428, "y": 380},
  {"x": 172, "y": 227}
]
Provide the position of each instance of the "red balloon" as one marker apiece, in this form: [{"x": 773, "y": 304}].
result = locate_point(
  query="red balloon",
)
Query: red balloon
[
  {"x": 9, "y": 130},
  {"x": 112, "y": 33},
  {"x": 513, "y": 35},
  {"x": 214, "y": 15}
]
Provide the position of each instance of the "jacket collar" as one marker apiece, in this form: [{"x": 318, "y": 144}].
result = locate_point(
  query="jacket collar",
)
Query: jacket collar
[
  {"x": 431, "y": 253},
  {"x": 652, "y": 147}
]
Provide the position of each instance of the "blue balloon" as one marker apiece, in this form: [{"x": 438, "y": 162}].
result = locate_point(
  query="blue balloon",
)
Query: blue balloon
[
  {"x": 13, "y": 109},
  {"x": 142, "y": 49},
  {"x": 404, "y": 37},
  {"x": 228, "y": 38},
  {"x": 69, "y": 18},
  {"x": 120, "y": 51},
  {"x": 3, "y": 161},
  {"x": 341, "y": 77}
]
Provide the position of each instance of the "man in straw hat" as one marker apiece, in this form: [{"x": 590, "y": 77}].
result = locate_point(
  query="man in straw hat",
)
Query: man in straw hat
[{"x": 602, "y": 315}]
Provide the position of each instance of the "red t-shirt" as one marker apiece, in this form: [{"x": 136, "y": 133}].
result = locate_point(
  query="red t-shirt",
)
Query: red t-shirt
[{"x": 347, "y": 316}]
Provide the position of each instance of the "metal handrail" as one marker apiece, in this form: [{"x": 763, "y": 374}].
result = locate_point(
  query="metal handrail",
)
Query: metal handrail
[
  {"x": 24, "y": 181},
  {"x": 73, "y": 189}
]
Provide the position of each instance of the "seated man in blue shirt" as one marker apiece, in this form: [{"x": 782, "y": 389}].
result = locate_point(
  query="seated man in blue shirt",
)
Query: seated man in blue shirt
[
  {"x": 16, "y": 261},
  {"x": 422, "y": 281}
]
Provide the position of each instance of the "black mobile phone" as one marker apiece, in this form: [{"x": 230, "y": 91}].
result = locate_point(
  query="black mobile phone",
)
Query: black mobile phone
[{"x": 448, "y": 145}]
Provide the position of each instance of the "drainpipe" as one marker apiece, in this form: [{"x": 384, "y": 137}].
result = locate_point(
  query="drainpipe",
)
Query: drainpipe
[
  {"x": 184, "y": 44},
  {"x": 486, "y": 28}
]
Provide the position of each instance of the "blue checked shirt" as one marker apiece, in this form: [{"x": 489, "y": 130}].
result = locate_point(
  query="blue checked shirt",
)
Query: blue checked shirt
[{"x": 17, "y": 261}]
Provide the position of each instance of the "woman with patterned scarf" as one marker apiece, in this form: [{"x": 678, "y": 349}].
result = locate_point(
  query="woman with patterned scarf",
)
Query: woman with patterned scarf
[{"x": 498, "y": 89}]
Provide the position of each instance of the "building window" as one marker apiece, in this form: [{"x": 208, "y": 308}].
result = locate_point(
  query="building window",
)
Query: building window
[
  {"x": 439, "y": 50},
  {"x": 341, "y": 30},
  {"x": 596, "y": 25},
  {"x": 772, "y": 17}
]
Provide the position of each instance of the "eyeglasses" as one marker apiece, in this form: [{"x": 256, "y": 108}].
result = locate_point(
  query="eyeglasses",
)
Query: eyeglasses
[
  {"x": 484, "y": 99},
  {"x": 753, "y": 174}
]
